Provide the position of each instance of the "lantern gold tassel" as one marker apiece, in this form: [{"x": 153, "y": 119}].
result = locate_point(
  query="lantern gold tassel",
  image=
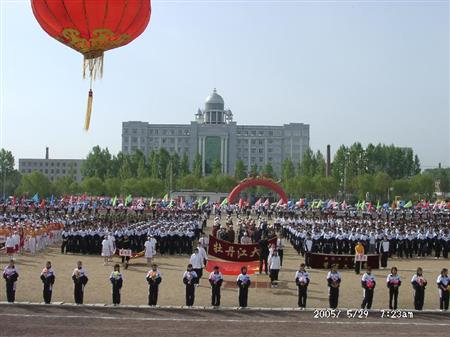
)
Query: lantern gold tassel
[
  {"x": 88, "y": 110},
  {"x": 93, "y": 63}
]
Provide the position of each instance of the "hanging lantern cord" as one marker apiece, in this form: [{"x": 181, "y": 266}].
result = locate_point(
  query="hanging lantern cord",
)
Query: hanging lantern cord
[{"x": 87, "y": 120}]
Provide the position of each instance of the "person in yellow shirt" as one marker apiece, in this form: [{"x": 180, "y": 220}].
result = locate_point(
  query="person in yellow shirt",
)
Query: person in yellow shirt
[{"x": 359, "y": 250}]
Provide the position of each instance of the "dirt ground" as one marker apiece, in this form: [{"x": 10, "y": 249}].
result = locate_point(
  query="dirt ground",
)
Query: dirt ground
[
  {"x": 62, "y": 320},
  {"x": 135, "y": 291}
]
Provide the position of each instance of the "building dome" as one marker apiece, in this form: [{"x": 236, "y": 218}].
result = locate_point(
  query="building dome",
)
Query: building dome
[{"x": 214, "y": 102}]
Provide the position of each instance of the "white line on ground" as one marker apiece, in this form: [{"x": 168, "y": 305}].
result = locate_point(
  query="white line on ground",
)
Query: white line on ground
[{"x": 199, "y": 320}]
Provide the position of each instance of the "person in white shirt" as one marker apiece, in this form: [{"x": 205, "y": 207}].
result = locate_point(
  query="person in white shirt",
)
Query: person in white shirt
[
  {"x": 149, "y": 251},
  {"x": 106, "y": 250},
  {"x": 368, "y": 283},
  {"x": 274, "y": 268},
  {"x": 302, "y": 282},
  {"x": 9, "y": 245},
  {"x": 384, "y": 250},
  {"x": 216, "y": 280},
  {"x": 197, "y": 265},
  {"x": 443, "y": 283}
]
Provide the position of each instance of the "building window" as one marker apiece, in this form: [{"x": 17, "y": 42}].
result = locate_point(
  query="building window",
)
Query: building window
[
  {"x": 260, "y": 142},
  {"x": 63, "y": 171},
  {"x": 45, "y": 171}
]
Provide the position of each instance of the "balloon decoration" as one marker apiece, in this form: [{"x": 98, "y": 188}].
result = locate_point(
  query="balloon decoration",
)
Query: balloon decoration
[{"x": 92, "y": 27}]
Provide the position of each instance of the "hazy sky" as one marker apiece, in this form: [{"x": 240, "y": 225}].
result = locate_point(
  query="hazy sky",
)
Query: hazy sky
[{"x": 368, "y": 71}]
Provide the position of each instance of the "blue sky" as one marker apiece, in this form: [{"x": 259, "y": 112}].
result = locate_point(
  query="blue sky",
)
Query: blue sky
[{"x": 368, "y": 71}]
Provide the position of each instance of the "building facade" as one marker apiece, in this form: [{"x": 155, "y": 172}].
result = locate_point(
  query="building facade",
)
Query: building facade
[
  {"x": 215, "y": 136},
  {"x": 52, "y": 168}
]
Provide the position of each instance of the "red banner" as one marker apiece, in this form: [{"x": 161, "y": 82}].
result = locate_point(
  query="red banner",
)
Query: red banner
[{"x": 234, "y": 252}]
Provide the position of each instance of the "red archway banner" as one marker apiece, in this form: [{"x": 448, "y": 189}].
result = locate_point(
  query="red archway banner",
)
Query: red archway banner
[
  {"x": 250, "y": 182},
  {"x": 234, "y": 252}
]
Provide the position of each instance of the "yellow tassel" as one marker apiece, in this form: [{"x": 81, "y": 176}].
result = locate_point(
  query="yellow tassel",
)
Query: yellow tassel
[
  {"x": 87, "y": 121},
  {"x": 93, "y": 63}
]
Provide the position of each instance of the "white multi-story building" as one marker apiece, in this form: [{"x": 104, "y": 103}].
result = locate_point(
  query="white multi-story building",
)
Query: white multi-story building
[{"x": 214, "y": 135}]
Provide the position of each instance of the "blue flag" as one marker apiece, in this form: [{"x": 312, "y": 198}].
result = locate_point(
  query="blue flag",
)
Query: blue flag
[{"x": 35, "y": 198}]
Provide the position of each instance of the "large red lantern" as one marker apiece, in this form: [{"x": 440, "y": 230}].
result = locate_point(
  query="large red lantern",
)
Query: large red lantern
[{"x": 92, "y": 27}]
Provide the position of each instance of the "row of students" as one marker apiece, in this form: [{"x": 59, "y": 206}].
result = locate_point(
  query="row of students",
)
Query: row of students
[{"x": 243, "y": 281}]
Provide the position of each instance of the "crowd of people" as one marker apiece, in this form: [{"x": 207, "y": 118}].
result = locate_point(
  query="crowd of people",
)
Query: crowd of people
[
  {"x": 191, "y": 278},
  {"x": 175, "y": 230}
]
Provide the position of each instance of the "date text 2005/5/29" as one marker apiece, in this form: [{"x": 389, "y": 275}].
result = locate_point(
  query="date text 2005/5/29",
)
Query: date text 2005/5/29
[{"x": 336, "y": 313}]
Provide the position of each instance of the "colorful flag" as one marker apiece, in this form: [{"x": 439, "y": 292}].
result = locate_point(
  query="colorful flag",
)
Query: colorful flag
[
  {"x": 258, "y": 203},
  {"x": 204, "y": 202},
  {"x": 128, "y": 200},
  {"x": 408, "y": 204},
  {"x": 52, "y": 200},
  {"x": 166, "y": 197},
  {"x": 241, "y": 203},
  {"x": 224, "y": 202},
  {"x": 114, "y": 201},
  {"x": 280, "y": 202},
  {"x": 35, "y": 198},
  {"x": 266, "y": 203},
  {"x": 378, "y": 204}
]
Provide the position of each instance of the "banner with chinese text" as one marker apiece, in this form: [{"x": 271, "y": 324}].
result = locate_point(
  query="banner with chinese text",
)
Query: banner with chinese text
[{"x": 235, "y": 252}]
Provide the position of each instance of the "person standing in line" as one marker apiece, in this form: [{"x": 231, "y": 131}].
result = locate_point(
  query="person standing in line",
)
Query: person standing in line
[
  {"x": 216, "y": 280},
  {"x": 126, "y": 244},
  {"x": 149, "y": 251},
  {"x": 384, "y": 251},
  {"x": 263, "y": 254},
  {"x": 190, "y": 279},
  {"x": 368, "y": 283},
  {"x": 48, "y": 279},
  {"x": 419, "y": 284},
  {"x": 117, "y": 282},
  {"x": 196, "y": 262},
  {"x": 302, "y": 282},
  {"x": 11, "y": 275},
  {"x": 243, "y": 282},
  {"x": 307, "y": 248},
  {"x": 153, "y": 279},
  {"x": 280, "y": 247},
  {"x": 106, "y": 250},
  {"x": 443, "y": 283},
  {"x": 393, "y": 282},
  {"x": 274, "y": 268},
  {"x": 359, "y": 251},
  {"x": 80, "y": 279},
  {"x": 334, "y": 282}
]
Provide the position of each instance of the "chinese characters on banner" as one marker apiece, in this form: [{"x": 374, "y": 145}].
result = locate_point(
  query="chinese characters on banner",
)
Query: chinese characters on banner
[{"x": 234, "y": 252}]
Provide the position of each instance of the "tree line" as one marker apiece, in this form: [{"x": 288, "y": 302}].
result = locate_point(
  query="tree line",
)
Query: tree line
[{"x": 377, "y": 172}]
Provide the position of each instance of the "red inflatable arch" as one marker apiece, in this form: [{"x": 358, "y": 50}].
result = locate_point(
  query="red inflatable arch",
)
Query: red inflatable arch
[{"x": 250, "y": 182}]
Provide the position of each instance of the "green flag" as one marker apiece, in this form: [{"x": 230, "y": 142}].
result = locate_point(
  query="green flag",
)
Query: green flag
[
  {"x": 408, "y": 204},
  {"x": 128, "y": 199},
  {"x": 224, "y": 202},
  {"x": 114, "y": 201},
  {"x": 204, "y": 202},
  {"x": 378, "y": 204},
  {"x": 166, "y": 197}
]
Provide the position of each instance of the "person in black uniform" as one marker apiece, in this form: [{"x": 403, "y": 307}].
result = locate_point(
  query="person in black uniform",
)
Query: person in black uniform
[
  {"x": 263, "y": 254},
  {"x": 126, "y": 244},
  {"x": 334, "y": 282},
  {"x": 216, "y": 280},
  {"x": 189, "y": 279},
  {"x": 153, "y": 279},
  {"x": 65, "y": 241},
  {"x": 48, "y": 279},
  {"x": 243, "y": 282},
  {"x": 302, "y": 282},
  {"x": 80, "y": 280},
  {"x": 10, "y": 275},
  {"x": 117, "y": 282},
  {"x": 419, "y": 284},
  {"x": 393, "y": 282}
]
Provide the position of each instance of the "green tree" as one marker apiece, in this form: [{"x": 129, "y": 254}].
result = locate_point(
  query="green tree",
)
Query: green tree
[
  {"x": 197, "y": 166},
  {"x": 112, "y": 186},
  {"x": 97, "y": 163},
  {"x": 184, "y": 166},
  {"x": 287, "y": 170},
  {"x": 62, "y": 185},
  {"x": 176, "y": 165},
  {"x": 217, "y": 168},
  {"x": 142, "y": 171},
  {"x": 254, "y": 170},
  {"x": 382, "y": 182},
  {"x": 189, "y": 182},
  {"x": 9, "y": 177},
  {"x": 93, "y": 186},
  {"x": 268, "y": 171},
  {"x": 306, "y": 166},
  {"x": 320, "y": 164},
  {"x": 33, "y": 183},
  {"x": 422, "y": 185},
  {"x": 152, "y": 187},
  {"x": 365, "y": 186},
  {"x": 154, "y": 165},
  {"x": 240, "y": 172},
  {"x": 164, "y": 159},
  {"x": 401, "y": 187}
]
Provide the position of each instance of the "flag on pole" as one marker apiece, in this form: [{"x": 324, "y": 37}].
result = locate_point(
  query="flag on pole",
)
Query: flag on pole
[
  {"x": 258, "y": 202},
  {"x": 224, "y": 202},
  {"x": 52, "y": 200},
  {"x": 114, "y": 201},
  {"x": 408, "y": 204},
  {"x": 280, "y": 202},
  {"x": 166, "y": 197},
  {"x": 204, "y": 202},
  {"x": 35, "y": 198},
  {"x": 241, "y": 203},
  {"x": 266, "y": 203},
  {"x": 378, "y": 204},
  {"x": 128, "y": 200}
]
